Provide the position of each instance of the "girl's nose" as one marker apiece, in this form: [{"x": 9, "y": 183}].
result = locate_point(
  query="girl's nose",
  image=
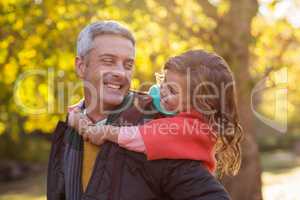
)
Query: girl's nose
[{"x": 163, "y": 92}]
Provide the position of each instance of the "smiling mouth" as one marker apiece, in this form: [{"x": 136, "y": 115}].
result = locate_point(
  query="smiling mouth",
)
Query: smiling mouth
[
  {"x": 113, "y": 86},
  {"x": 117, "y": 87}
]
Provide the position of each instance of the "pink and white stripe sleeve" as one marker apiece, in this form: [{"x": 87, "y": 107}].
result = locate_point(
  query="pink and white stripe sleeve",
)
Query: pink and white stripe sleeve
[{"x": 131, "y": 139}]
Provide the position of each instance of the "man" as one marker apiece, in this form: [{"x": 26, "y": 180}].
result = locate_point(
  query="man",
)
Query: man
[{"x": 79, "y": 170}]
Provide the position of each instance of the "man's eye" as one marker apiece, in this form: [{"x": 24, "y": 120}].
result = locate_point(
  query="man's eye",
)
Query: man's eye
[
  {"x": 107, "y": 61},
  {"x": 129, "y": 65}
]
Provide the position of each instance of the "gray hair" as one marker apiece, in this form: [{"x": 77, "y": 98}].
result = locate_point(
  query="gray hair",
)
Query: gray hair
[{"x": 88, "y": 34}]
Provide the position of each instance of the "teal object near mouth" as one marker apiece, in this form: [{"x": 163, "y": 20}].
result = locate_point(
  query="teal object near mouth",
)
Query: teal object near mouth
[{"x": 154, "y": 92}]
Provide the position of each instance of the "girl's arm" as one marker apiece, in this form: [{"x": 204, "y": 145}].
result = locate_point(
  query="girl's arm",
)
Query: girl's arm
[
  {"x": 165, "y": 138},
  {"x": 127, "y": 137},
  {"x": 98, "y": 134}
]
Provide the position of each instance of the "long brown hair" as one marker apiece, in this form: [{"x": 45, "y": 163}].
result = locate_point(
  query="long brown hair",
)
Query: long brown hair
[{"x": 210, "y": 76}]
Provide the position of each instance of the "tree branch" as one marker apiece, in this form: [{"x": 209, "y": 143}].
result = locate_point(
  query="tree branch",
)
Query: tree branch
[
  {"x": 170, "y": 6},
  {"x": 208, "y": 9}
]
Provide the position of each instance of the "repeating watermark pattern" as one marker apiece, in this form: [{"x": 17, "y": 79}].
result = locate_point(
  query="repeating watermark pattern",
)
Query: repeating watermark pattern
[
  {"x": 60, "y": 93},
  {"x": 279, "y": 121}
]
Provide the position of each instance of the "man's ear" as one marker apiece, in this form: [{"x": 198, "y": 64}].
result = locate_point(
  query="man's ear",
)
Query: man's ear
[{"x": 80, "y": 67}]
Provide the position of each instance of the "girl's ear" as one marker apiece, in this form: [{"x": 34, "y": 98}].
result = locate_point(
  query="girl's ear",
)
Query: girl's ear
[{"x": 80, "y": 67}]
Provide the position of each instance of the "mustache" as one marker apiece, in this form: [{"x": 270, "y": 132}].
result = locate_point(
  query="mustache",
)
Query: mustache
[{"x": 118, "y": 78}]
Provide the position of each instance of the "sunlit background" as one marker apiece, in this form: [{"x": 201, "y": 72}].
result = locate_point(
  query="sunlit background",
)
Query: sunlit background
[{"x": 260, "y": 41}]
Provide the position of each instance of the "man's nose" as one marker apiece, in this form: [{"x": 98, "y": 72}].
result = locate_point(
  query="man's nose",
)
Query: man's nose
[
  {"x": 118, "y": 74},
  {"x": 118, "y": 71}
]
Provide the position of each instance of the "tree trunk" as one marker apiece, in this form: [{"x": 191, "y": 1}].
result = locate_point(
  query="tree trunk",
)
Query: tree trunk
[
  {"x": 231, "y": 39},
  {"x": 232, "y": 42}
]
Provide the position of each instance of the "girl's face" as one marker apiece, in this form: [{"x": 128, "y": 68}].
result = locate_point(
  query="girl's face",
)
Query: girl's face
[{"x": 173, "y": 91}]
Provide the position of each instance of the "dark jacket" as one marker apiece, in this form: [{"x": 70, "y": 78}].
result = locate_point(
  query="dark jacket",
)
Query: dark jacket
[{"x": 124, "y": 175}]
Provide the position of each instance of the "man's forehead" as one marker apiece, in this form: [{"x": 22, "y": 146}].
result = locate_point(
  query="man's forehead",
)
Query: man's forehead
[{"x": 114, "y": 45}]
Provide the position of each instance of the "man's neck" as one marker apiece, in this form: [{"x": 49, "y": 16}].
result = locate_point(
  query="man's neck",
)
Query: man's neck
[
  {"x": 94, "y": 112},
  {"x": 95, "y": 115}
]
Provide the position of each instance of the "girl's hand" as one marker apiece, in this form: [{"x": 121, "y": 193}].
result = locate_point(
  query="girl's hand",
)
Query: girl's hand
[
  {"x": 94, "y": 134},
  {"x": 78, "y": 120},
  {"x": 73, "y": 117},
  {"x": 98, "y": 134}
]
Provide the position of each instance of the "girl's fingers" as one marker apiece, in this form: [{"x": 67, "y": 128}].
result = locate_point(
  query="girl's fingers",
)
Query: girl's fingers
[
  {"x": 84, "y": 119},
  {"x": 71, "y": 119},
  {"x": 83, "y": 124},
  {"x": 100, "y": 138},
  {"x": 92, "y": 136},
  {"x": 76, "y": 110}
]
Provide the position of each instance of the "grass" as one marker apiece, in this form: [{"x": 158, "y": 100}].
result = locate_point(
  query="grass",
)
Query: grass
[
  {"x": 280, "y": 180},
  {"x": 281, "y": 176},
  {"x": 32, "y": 188},
  {"x": 282, "y": 186},
  {"x": 22, "y": 197}
]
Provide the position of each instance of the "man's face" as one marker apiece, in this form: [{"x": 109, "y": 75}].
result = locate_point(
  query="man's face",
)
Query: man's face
[{"x": 107, "y": 69}]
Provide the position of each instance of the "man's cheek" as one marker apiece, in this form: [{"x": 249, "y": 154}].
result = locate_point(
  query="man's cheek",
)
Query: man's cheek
[
  {"x": 128, "y": 77},
  {"x": 97, "y": 78},
  {"x": 128, "y": 80},
  {"x": 175, "y": 103}
]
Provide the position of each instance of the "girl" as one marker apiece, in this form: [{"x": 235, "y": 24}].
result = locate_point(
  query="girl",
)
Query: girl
[{"x": 199, "y": 87}]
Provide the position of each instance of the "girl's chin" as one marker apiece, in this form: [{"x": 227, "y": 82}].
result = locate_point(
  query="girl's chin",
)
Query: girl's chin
[{"x": 168, "y": 108}]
